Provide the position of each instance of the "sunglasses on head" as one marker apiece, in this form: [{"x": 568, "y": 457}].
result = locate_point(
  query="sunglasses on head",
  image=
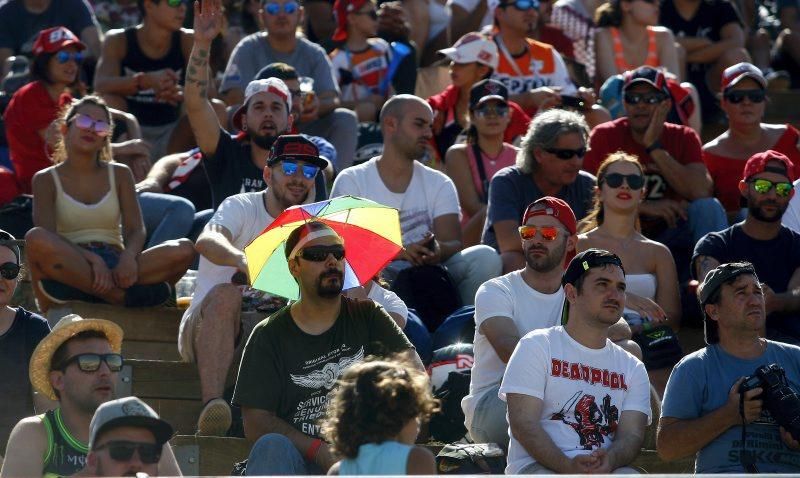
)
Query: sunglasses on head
[
  {"x": 737, "y": 96},
  {"x": 65, "y": 56},
  {"x": 320, "y": 253},
  {"x": 9, "y": 270},
  {"x": 369, "y": 13},
  {"x": 100, "y": 127},
  {"x": 290, "y": 169},
  {"x": 567, "y": 153},
  {"x": 614, "y": 180},
  {"x": 91, "y": 362},
  {"x": 522, "y": 5},
  {"x": 763, "y": 186},
  {"x": 273, "y": 8},
  {"x": 486, "y": 109},
  {"x": 149, "y": 453},
  {"x": 646, "y": 98},
  {"x": 549, "y": 233}
]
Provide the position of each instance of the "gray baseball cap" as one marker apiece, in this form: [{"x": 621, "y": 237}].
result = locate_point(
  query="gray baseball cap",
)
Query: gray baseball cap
[{"x": 128, "y": 411}]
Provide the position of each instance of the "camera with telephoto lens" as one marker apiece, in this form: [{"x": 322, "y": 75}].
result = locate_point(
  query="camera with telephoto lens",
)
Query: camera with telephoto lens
[{"x": 779, "y": 399}]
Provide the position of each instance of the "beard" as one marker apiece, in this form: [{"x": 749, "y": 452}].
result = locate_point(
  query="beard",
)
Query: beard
[
  {"x": 757, "y": 212},
  {"x": 549, "y": 261},
  {"x": 263, "y": 141},
  {"x": 330, "y": 289}
]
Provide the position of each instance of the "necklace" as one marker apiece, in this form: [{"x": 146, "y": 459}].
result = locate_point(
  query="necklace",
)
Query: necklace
[{"x": 492, "y": 159}]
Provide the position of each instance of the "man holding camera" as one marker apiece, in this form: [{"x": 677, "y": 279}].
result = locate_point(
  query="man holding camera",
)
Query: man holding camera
[{"x": 707, "y": 411}]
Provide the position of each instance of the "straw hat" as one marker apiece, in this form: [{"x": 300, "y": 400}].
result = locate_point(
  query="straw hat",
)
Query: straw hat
[{"x": 65, "y": 329}]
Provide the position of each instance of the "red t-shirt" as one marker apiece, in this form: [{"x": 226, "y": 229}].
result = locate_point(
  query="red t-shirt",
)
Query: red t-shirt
[
  {"x": 30, "y": 110},
  {"x": 8, "y": 186},
  {"x": 681, "y": 142},
  {"x": 555, "y": 36},
  {"x": 727, "y": 172}
]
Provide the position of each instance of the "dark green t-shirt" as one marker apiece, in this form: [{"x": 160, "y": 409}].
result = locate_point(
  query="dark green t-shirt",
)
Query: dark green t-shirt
[{"x": 290, "y": 373}]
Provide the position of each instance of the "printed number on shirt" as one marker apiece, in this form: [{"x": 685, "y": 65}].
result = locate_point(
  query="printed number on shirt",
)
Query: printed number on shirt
[{"x": 656, "y": 186}]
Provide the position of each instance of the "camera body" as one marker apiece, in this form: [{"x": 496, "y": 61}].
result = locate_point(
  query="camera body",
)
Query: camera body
[{"x": 780, "y": 400}]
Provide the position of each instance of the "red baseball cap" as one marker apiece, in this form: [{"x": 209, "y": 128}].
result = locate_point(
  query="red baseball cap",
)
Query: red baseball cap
[
  {"x": 550, "y": 206},
  {"x": 736, "y": 73},
  {"x": 340, "y": 10},
  {"x": 758, "y": 164},
  {"x": 54, "y": 39}
]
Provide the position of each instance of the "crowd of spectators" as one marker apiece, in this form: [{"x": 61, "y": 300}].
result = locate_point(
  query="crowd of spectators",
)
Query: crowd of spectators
[{"x": 546, "y": 160}]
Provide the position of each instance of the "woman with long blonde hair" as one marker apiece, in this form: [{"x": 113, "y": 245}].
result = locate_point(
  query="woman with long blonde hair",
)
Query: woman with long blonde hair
[
  {"x": 89, "y": 235},
  {"x": 652, "y": 280}
]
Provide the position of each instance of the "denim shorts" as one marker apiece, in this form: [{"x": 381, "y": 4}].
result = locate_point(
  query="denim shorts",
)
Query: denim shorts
[{"x": 109, "y": 253}]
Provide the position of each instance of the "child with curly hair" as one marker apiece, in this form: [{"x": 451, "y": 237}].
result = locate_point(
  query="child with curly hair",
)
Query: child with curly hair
[{"x": 374, "y": 418}]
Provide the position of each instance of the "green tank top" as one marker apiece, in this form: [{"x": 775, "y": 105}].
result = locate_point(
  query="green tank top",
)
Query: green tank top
[{"x": 65, "y": 455}]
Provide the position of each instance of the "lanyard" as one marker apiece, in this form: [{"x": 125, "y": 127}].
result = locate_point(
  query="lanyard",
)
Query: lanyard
[{"x": 508, "y": 55}]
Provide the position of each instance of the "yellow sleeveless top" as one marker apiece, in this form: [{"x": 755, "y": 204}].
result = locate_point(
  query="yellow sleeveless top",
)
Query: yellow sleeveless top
[{"x": 81, "y": 223}]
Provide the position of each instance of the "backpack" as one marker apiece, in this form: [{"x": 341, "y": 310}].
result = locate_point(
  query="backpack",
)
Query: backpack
[
  {"x": 471, "y": 459},
  {"x": 459, "y": 327},
  {"x": 430, "y": 291}
]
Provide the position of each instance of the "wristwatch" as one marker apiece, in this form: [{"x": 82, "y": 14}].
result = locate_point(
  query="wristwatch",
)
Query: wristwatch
[{"x": 656, "y": 145}]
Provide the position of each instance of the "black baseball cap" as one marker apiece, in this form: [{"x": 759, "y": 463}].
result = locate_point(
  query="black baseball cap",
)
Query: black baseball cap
[
  {"x": 580, "y": 265},
  {"x": 486, "y": 90},
  {"x": 646, "y": 74},
  {"x": 9, "y": 241},
  {"x": 711, "y": 284},
  {"x": 295, "y": 147}
]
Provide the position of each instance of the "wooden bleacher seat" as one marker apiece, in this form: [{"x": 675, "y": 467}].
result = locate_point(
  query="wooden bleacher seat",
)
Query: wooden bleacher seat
[{"x": 208, "y": 456}]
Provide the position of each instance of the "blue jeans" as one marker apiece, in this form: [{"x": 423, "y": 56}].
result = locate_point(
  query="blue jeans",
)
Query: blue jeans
[
  {"x": 274, "y": 454},
  {"x": 489, "y": 423},
  {"x": 165, "y": 217},
  {"x": 471, "y": 267},
  {"x": 706, "y": 215}
]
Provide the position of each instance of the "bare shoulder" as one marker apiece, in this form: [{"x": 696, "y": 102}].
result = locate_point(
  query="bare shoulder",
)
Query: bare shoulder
[
  {"x": 457, "y": 151},
  {"x": 421, "y": 461},
  {"x": 585, "y": 241},
  {"x": 603, "y": 33},
  {"x": 657, "y": 250},
  {"x": 115, "y": 34},
  {"x": 28, "y": 432},
  {"x": 662, "y": 32},
  {"x": 715, "y": 145}
]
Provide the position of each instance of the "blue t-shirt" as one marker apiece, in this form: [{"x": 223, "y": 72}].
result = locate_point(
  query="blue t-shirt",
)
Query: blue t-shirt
[
  {"x": 700, "y": 384},
  {"x": 19, "y": 27},
  {"x": 511, "y": 191},
  {"x": 387, "y": 458}
]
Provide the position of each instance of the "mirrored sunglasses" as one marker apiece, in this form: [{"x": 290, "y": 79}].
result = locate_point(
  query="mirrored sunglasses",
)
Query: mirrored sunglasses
[
  {"x": 91, "y": 362},
  {"x": 522, "y": 5},
  {"x": 290, "y": 169},
  {"x": 320, "y": 253},
  {"x": 646, "y": 98},
  {"x": 491, "y": 110},
  {"x": 549, "y": 233},
  {"x": 566, "y": 154},
  {"x": 273, "y": 8},
  {"x": 177, "y": 3},
  {"x": 9, "y": 270},
  {"x": 763, "y": 186},
  {"x": 65, "y": 56},
  {"x": 149, "y": 453},
  {"x": 614, "y": 180},
  {"x": 737, "y": 96},
  {"x": 100, "y": 127}
]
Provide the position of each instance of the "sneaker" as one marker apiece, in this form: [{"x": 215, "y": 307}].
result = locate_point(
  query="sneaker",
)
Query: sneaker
[
  {"x": 149, "y": 295},
  {"x": 59, "y": 293},
  {"x": 215, "y": 419}
]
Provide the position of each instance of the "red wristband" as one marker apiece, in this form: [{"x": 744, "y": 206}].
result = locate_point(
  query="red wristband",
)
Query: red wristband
[{"x": 313, "y": 449}]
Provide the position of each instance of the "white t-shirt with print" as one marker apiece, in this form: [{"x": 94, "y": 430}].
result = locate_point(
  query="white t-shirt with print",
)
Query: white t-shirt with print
[
  {"x": 430, "y": 194},
  {"x": 505, "y": 296},
  {"x": 584, "y": 391},
  {"x": 388, "y": 299}
]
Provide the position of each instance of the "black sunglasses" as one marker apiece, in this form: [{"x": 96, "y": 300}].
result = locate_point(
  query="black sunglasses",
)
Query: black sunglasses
[
  {"x": 9, "y": 270},
  {"x": 91, "y": 362},
  {"x": 614, "y": 180},
  {"x": 320, "y": 253},
  {"x": 646, "y": 98},
  {"x": 566, "y": 154},
  {"x": 737, "y": 96},
  {"x": 149, "y": 453}
]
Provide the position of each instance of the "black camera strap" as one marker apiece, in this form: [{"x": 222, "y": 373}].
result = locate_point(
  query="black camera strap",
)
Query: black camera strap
[{"x": 746, "y": 458}]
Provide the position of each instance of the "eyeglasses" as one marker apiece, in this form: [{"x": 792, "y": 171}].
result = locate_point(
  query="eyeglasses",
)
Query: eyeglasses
[
  {"x": 614, "y": 180},
  {"x": 290, "y": 169},
  {"x": 275, "y": 8},
  {"x": 491, "y": 110},
  {"x": 149, "y": 453},
  {"x": 737, "y": 96},
  {"x": 100, "y": 127},
  {"x": 320, "y": 253},
  {"x": 65, "y": 56},
  {"x": 369, "y": 13},
  {"x": 522, "y": 4},
  {"x": 646, "y": 98},
  {"x": 91, "y": 362},
  {"x": 549, "y": 233},
  {"x": 763, "y": 186},
  {"x": 9, "y": 270},
  {"x": 177, "y": 3},
  {"x": 566, "y": 154}
]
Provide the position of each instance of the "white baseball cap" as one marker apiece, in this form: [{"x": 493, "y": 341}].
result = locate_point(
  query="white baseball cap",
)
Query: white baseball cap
[
  {"x": 267, "y": 85},
  {"x": 473, "y": 48}
]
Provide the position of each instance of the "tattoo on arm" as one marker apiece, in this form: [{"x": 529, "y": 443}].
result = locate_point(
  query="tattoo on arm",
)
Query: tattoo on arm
[
  {"x": 704, "y": 266},
  {"x": 197, "y": 73}
]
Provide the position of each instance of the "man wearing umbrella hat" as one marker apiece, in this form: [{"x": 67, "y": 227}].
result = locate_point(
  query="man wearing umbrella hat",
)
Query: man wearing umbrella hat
[
  {"x": 211, "y": 331},
  {"x": 293, "y": 359},
  {"x": 76, "y": 364}
]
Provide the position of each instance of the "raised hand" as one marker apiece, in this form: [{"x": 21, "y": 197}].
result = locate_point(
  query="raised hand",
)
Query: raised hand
[{"x": 208, "y": 20}]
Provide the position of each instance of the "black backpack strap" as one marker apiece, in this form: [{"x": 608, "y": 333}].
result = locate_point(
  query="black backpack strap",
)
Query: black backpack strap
[{"x": 476, "y": 151}]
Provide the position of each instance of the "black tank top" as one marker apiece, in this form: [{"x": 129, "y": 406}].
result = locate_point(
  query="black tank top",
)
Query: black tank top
[
  {"x": 143, "y": 105},
  {"x": 65, "y": 455}
]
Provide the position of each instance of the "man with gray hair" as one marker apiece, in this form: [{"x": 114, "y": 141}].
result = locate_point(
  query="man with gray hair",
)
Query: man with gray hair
[{"x": 548, "y": 164}]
